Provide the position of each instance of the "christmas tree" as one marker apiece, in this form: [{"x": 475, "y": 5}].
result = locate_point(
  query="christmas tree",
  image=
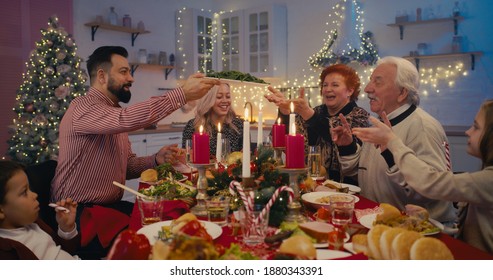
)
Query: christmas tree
[{"x": 52, "y": 79}]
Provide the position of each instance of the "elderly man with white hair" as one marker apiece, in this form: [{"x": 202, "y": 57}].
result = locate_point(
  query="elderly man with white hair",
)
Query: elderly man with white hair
[{"x": 393, "y": 91}]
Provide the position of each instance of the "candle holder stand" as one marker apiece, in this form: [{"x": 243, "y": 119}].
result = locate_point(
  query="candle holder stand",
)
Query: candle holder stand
[
  {"x": 294, "y": 208},
  {"x": 200, "y": 210},
  {"x": 278, "y": 155}
]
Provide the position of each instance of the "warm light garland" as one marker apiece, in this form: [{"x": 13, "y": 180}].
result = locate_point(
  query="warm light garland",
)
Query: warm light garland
[{"x": 362, "y": 58}]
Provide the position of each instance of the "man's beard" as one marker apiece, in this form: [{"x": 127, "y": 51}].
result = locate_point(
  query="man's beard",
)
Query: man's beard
[{"x": 120, "y": 93}]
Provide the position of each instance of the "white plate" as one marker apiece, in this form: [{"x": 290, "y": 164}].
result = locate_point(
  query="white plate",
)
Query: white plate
[
  {"x": 151, "y": 231},
  {"x": 238, "y": 82},
  {"x": 367, "y": 221},
  {"x": 349, "y": 247},
  {"x": 331, "y": 254},
  {"x": 314, "y": 196},
  {"x": 352, "y": 188}
]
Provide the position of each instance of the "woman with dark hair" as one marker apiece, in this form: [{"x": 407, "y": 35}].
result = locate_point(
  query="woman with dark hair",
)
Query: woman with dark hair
[
  {"x": 474, "y": 190},
  {"x": 339, "y": 88}
]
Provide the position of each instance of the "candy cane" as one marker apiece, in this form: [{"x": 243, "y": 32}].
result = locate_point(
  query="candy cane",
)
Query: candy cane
[
  {"x": 273, "y": 199},
  {"x": 246, "y": 200}
]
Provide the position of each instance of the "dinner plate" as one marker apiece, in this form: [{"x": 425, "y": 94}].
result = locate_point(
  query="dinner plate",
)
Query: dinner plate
[
  {"x": 324, "y": 254},
  {"x": 367, "y": 221},
  {"x": 238, "y": 82},
  {"x": 312, "y": 198},
  {"x": 352, "y": 188},
  {"x": 151, "y": 231}
]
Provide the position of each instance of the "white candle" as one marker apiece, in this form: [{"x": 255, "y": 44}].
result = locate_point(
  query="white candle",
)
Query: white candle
[
  {"x": 219, "y": 148},
  {"x": 291, "y": 121},
  {"x": 260, "y": 121},
  {"x": 245, "y": 166}
]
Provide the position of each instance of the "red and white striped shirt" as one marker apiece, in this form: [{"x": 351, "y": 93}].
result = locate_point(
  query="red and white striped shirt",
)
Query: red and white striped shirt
[{"x": 95, "y": 149}]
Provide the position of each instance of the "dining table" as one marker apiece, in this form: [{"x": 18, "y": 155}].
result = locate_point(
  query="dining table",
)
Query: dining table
[{"x": 460, "y": 249}]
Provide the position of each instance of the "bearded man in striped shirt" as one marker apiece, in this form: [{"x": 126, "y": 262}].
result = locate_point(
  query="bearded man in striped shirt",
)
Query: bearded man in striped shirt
[{"x": 94, "y": 145}]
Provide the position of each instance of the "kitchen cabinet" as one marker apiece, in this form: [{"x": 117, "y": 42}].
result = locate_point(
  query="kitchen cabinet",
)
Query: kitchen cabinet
[
  {"x": 133, "y": 31},
  {"x": 231, "y": 47},
  {"x": 251, "y": 40},
  {"x": 266, "y": 41},
  {"x": 194, "y": 44}
]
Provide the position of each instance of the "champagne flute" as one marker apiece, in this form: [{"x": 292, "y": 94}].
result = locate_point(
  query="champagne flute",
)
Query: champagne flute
[
  {"x": 189, "y": 156},
  {"x": 226, "y": 150}
]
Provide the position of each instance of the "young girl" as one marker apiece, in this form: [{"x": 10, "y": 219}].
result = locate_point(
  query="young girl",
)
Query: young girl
[
  {"x": 22, "y": 234},
  {"x": 476, "y": 189}
]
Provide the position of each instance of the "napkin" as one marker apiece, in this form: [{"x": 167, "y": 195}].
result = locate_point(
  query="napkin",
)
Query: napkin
[
  {"x": 173, "y": 209},
  {"x": 359, "y": 256},
  {"x": 103, "y": 222}
]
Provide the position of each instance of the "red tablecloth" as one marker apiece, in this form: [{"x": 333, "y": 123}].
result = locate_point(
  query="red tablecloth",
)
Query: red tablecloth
[{"x": 461, "y": 250}]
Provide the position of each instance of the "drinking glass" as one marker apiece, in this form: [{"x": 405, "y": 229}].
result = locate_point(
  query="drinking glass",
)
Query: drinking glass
[
  {"x": 218, "y": 209},
  {"x": 188, "y": 151},
  {"x": 314, "y": 161},
  {"x": 341, "y": 208},
  {"x": 150, "y": 208}
]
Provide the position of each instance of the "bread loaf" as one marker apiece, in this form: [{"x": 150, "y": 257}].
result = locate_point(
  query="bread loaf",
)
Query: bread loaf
[
  {"x": 374, "y": 235},
  {"x": 389, "y": 212},
  {"x": 360, "y": 243},
  {"x": 386, "y": 242},
  {"x": 401, "y": 245},
  {"x": 149, "y": 175},
  {"x": 429, "y": 248}
]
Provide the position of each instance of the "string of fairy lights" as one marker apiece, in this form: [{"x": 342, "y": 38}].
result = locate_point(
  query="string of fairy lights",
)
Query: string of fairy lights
[{"x": 362, "y": 57}]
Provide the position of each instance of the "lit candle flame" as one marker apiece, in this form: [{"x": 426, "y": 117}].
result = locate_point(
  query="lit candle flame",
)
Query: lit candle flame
[
  {"x": 219, "y": 127},
  {"x": 246, "y": 114},
  {"x": 278, "y": 121},
  {"x": 201, "y": 129},
  {"x": 292, "y": 107}
]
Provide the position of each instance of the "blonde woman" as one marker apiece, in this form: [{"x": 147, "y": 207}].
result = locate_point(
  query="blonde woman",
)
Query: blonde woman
[{"x": 213, "y": 108}]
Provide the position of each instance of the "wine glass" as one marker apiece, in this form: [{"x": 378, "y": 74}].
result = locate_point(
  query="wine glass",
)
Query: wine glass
[{"x": 189, "y": 157}]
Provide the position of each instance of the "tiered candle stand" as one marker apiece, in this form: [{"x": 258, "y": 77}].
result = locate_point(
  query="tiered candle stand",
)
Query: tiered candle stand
[
  {"x": 200, "y": 210},
  {"x": 294, "y": 208}
]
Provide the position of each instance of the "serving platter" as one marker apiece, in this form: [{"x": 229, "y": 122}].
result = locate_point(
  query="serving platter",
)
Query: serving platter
[
  {"x": 311, "y": 198},
  {"x": 238, "y": 82},
  {"x": 151, "y": 231}
]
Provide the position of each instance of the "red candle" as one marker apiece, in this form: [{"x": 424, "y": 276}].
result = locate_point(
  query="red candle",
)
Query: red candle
[
  {"x": 295, "y": 151},
  {"x": 278, "y": 134},
  {"x": 200, "y": 146}
]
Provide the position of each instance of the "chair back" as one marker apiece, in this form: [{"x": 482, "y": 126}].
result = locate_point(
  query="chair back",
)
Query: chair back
[{"x": 40, "y": 176}]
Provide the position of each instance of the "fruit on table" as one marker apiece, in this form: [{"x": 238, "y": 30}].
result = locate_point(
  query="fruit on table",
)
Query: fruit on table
[{"x": 130, "y": 245}]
